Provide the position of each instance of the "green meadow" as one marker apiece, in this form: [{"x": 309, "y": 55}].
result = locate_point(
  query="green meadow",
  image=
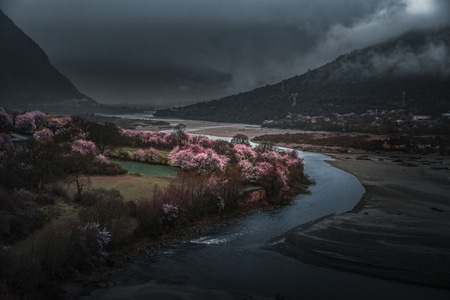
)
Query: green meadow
[
  {"x": 148, "y": 169},
  {"x": 139, "y": 182}
]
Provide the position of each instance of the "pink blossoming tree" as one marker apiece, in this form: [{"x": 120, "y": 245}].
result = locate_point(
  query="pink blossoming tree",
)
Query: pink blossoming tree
[
  {"x": 30, "y": 121},
  {"x": 84, "y": 148},
  {"x": 193, "y": 156},
  {"x": 43, "y": 135},
  {"x": 244, "y": 152},
  {"x": 102, "y": 159}
]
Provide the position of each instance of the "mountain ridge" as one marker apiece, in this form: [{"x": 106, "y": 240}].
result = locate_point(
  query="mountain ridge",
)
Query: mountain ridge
[
  {"x": 412, "y": 69},
  {"x": 28, "y": 80}
]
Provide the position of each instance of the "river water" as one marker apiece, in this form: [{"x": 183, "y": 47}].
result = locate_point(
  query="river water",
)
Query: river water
[{"x": 231, "y": 258}]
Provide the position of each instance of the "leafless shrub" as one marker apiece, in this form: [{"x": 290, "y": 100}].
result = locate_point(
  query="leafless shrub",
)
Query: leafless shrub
[{"x": 109, "y": 210}]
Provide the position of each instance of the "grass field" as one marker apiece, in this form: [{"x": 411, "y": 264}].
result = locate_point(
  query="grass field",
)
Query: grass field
[
  {"x": 130, "y": 186},
  {"x": 139, "y": 185},
  {"x": 136, "y": 186}
]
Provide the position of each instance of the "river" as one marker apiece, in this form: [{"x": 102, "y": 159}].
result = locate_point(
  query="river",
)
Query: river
[{"x": 232, "y": 258}]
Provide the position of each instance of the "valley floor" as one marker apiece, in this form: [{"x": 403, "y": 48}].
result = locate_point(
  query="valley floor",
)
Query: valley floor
[{"x": 399, "y": 230}]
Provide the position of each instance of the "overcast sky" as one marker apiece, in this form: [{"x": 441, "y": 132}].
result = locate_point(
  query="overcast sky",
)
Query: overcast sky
[{"x": 161, "y": 51}]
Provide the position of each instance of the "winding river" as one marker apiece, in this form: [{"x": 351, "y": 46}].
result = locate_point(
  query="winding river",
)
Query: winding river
[{"x": 232, "y": 257}]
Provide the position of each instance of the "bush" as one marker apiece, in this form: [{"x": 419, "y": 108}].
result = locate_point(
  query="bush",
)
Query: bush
[
  {"x": 58, "y": 189},
  {"x": 18, "y": 219},
  {"x": 99, "y": 168},
  {"x": 44, "y": 200},
  {"x": 88, "y": 242},
  {"x": 109, "y": 210},
  {"x": 24, "y": 222},
  {"x": 148, "y": 217},
  {"x": 91, "y": 197},
  {"x": 20, "y": 275},
  {"x": 53, "y": 252},
  {"x": 7, "y": 202},
  {"x": 63, "y": 250}
]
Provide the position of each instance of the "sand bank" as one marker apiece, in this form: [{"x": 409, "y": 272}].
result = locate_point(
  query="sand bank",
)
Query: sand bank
[{"x": 400, "y": 230}]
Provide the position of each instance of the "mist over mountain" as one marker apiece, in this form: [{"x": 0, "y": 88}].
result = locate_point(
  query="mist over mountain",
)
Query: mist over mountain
[
  {"x": 27, "y": 78},
  {"x": 179, "y": 52},
  {"x": 412, "y": 69}
]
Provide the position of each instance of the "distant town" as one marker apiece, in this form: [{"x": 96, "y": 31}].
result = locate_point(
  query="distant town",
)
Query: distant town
[{"x": 372, "y": 121}]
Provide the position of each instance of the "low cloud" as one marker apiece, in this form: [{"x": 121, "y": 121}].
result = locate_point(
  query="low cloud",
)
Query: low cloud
[
  {"x": 390, "y": 20},
  {"x": 433, "y": 60},
  {"x": 175, "y": 50}
]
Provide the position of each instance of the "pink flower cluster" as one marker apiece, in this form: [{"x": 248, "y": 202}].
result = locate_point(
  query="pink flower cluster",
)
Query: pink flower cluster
[
  {"x": 253, "y": 172},
  {"x": 153, "y": 138},
  {"x": 139, "y": 154},
  {"x": 170, "y": 211},
  {"x": 159, "y": 138},
  {"x": 201, "y": 140},
  {"x": 43, "y": 135},
  {"x": 257, "y": 165},
  {"x": 29, "y": 121},
  {"x": 102, "y": 159},
  {"x": 84, "y": 148},
  {"x": 244, "y": 152},
  {"x": 148, "y": 155},
  {"x": 41, "y": 125},
  {"x": 289, "y": 158},
  {"x": 55, "y": 123},
  {"x": 91, "y": 232},
  {"x": 196, "y": 157}
]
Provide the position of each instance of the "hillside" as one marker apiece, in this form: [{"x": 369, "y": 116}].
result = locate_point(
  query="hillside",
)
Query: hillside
[
  {"x": 27, "y": 78},
  {"x": 413, "y": 69}
]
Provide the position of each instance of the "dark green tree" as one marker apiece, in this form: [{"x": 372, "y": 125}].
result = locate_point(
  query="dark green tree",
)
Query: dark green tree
[
  {"x": 103, "y": 135},
  {"x": 240, "y": 138},
  {"x": 179, "y": 134}
]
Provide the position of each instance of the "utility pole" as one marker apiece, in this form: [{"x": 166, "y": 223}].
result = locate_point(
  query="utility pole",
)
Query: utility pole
[
  {"x": 403, "y": 99},
  {"x": 294, "y": 98}
]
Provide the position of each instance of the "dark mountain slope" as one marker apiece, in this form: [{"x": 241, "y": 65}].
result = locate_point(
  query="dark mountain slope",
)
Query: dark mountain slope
[
  {"x": 414, "y": 67},
  {"x": 27, "y": 78}
]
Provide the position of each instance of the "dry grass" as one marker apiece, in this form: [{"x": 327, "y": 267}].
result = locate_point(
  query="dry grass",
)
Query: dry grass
[
  {"x": 130, "y": 186},
  {"x": 62, "y": 213}
]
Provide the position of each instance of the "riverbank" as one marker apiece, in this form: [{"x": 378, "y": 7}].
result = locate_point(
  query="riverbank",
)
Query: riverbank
[
  {"x": 399, "y": 230},
  {"x": 108, "y": 282},
  {"x": 102, "y": 282}
]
